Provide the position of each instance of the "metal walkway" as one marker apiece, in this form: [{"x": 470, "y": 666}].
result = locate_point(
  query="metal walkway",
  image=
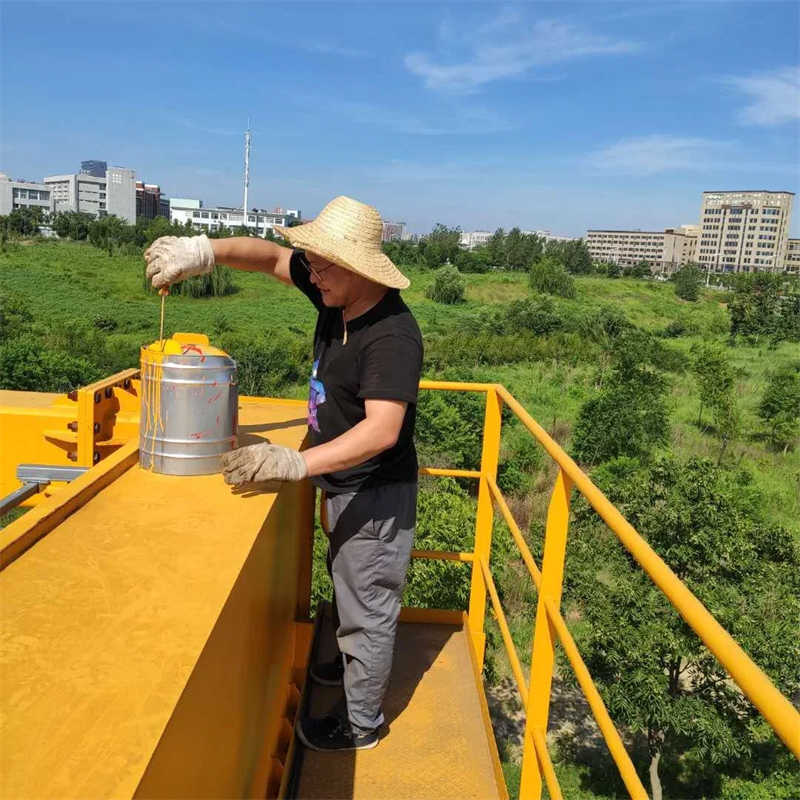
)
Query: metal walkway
[{"x": 437, "y": 743}]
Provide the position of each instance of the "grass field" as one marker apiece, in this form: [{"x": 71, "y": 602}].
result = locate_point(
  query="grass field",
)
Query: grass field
[{"x": 63, "y": 281}]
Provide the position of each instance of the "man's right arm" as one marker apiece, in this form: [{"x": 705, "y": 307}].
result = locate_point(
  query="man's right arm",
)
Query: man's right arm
[{"x": 254, "y": 255}]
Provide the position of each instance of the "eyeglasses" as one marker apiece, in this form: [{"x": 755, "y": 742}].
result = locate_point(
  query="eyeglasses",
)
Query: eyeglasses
[{"x": 317, "y": 273}]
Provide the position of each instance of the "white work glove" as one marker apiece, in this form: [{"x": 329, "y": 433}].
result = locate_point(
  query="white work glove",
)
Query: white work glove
[
  {"x": 263, "y": 462},
  {"x": 174, "y": 258}
]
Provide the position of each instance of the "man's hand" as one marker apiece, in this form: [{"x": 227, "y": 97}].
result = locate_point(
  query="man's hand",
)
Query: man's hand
[
  {"x": 263, "y": 462},
  {"x": 174, "y": 258}
]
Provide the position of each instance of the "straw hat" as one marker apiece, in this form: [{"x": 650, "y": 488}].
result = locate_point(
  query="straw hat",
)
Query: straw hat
[{"x": 348, "y": 233}]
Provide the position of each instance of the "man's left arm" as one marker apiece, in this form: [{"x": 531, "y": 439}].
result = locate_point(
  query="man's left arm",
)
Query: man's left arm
[{"x": 378, "y": 431}]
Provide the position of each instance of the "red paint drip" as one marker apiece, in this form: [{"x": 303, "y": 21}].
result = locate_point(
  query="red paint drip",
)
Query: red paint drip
[
  {"x": 215, "y": 397},
  {"x": 191, "y": 348}
]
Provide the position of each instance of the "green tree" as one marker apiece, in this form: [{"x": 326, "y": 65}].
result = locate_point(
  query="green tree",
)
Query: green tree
[
  {"x": 653, "y": 672},
  {"x": 714, "y": 377},
  {"x": 688, "y": 280},
  {"x": 448, "y": 286},
  {"x": 550, "y": 277},
  {"x": 780, "y": 406},
  {"x": 442, "y": 245},
  {"x": 572, "y": 255},
  {"x": 496, "y": 248},
  {"x": 765, "y": 305},
  {"x": 628, "y": 416}
]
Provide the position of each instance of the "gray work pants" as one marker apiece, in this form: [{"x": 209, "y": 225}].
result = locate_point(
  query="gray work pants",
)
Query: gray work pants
[{"x": 371, "y": 532}]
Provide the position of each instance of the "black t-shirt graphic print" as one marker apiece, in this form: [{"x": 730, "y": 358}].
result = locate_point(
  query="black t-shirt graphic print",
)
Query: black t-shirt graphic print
[{"x": 381, "y": 360}]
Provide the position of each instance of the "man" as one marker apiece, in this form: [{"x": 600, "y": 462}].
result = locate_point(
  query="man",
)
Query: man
[{"x": 361, "y": 412}]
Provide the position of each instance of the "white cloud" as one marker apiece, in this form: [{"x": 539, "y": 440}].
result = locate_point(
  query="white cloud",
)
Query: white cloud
[
  {"x": 447, "y": 121},
  {"x": 506, "y": 47},
  {"x": 775, "y": 96},
  {"x": 647, "y": 155}
]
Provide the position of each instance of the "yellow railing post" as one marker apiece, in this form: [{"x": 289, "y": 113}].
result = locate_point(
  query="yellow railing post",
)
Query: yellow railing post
[
  {"x": 490, "y": 454},
  {"x": 544, "y": 637}
]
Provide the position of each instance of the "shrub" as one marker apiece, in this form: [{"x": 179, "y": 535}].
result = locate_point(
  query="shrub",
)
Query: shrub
[
  {"x": 448, "y": 286},
  {"x": 445, "y": 521},
  {"x": 688, "y": 281},
  {"x": 780, "y": 406},
  {"x": 266, "y": 366},
  {"x": 26, "y": 365},
  {"x": 535, "y": 314},
  {"x": 549, "y": 277}
]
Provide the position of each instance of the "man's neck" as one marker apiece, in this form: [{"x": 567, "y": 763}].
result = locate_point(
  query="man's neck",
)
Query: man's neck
[{"x": 364, "y": 302}]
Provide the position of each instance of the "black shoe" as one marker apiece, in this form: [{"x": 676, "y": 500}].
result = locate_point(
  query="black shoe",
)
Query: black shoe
[
  {"x": 333, "y": 733},
  {"x": 331, "y": 673}
]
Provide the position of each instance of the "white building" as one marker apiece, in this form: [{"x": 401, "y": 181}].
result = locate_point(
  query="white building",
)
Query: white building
[
  {"x": 744, "y": 231},
  {"x": 473, "y": 239},
  {"x": 114, "y": 194},
  {"x": 792, "y": 263},
  {"x": 204, "y": 219},
  {"x": 21, "y": 194},
  {"x": 664, "y": 251},
  {"x": 549, "y": 237},
  {"x": 393, "y": 231}
]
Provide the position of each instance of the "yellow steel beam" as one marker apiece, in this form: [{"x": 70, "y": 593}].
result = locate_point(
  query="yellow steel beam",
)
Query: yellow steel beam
[
  {"x": 505, "y": 632},
  {"x": 454, "y": 473},
  {"x": 149, "y": 638},
  {"x": 442, "y": 555},
  {"x": 545, "y": 764},
  {"x": 452, "y": 386},
  {"x": 750, "y": 678},
  {"x": 604, "y": 722},
  {"x": 484, "y": 518},
  {"x": 543, "y": 656}
]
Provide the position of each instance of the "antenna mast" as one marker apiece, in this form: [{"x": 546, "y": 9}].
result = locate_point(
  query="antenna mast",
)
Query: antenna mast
[{"x": 246, "y": 170}]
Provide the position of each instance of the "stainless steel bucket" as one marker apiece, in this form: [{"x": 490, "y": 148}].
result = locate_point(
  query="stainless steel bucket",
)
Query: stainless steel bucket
[{"x": 189, "y": 406}]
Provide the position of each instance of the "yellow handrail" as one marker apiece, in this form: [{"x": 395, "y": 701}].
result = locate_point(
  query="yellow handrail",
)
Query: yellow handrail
[{"x": 536, "y": 765}]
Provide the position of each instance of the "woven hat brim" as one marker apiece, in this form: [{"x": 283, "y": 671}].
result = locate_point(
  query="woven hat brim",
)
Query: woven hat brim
[{"x": 368, "y": 262}]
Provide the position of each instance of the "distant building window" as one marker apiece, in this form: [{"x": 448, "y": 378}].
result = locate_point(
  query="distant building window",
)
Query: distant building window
[{"x": 195, "y": 214}]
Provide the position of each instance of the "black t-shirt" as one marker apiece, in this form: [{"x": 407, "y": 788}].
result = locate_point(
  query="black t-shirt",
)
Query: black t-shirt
[{"x": 382, "y": 360}]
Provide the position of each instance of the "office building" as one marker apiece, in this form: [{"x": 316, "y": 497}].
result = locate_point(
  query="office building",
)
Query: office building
[
  {"x": 744, "y": 231},
  {"x": 665, "y": 251},
  {"x": 792, "y": 262},
  {"x": 548, "y": 236},
  {"x": 94, "y": 168},
  {"x": 212, "y": 219},
  {"x": 113, "y": 194},
  {"x": 393, "y": 231},
  {"x": 149, "y": 201},
  {"x": 22, "y": 194},
  {"x": 472, "y": 239}
]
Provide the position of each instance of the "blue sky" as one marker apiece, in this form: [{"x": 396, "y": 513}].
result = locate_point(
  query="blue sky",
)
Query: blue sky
[{"x": 553, "y": 115}]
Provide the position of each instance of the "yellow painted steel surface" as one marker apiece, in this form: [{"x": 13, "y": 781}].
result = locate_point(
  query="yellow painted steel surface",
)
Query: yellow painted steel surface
[
  {"x": 149, "y": 639},
  {"x": 43, "y": 428},
  {"x": 439, "y": 743}
]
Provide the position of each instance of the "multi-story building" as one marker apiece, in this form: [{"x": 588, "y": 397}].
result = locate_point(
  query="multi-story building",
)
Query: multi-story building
[
  {"x": 21, "y": 194},
  {"x": 113, "y": 194},
  {"x": 212, "y": 219},
  {"x": 473, "y": 239},
  {"x": 549, "y": 237},
  {"x": 96, "y": 168},
  {"x": 148, "y": 201},
  {"x": 792, "y": 262},
  {"x": 393, "y": 231},
  {"x": 744, "y": 231},
  {"x": 665, "y": 251}
]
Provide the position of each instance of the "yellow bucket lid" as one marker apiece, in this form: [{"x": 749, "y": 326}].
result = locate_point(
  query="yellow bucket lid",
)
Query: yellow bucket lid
[{"x": 181, "y": 344}]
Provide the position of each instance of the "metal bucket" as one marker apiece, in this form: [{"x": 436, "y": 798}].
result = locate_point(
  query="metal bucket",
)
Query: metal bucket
[{"x": 189, "y": 406}]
